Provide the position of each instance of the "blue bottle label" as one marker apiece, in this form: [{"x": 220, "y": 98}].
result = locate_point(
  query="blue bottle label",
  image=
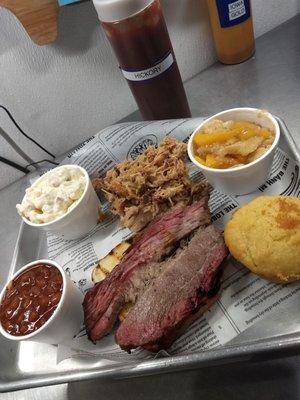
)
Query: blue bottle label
[{"x": 233, "y": 12}]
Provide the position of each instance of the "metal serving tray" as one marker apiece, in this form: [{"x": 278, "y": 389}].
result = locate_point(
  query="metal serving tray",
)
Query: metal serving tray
[{"x": 27, "y": 364}]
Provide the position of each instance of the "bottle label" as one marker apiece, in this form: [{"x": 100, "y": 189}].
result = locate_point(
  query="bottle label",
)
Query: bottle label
[
  {"x": 233, "y": 12},
  {"x": 149, "y": 73}
]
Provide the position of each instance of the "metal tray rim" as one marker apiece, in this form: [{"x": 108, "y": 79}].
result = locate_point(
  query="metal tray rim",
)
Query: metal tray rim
[{"x": 284, "y": 344}]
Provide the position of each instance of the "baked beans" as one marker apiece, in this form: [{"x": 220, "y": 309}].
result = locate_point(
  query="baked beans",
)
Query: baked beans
[{"x": 30, "y": 299}]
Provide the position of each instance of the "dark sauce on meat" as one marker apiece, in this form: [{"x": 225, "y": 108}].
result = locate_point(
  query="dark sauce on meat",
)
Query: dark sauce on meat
[
  {"x": 142, "y": 42},
  {"x": 30, "y": 299}
]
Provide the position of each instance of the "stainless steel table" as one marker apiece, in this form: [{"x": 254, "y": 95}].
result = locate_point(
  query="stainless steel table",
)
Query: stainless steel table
[{"x": 271, "y": 79}]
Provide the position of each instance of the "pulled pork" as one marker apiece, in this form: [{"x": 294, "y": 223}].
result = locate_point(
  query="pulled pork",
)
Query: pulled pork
[{"x": 155, "y": 181}]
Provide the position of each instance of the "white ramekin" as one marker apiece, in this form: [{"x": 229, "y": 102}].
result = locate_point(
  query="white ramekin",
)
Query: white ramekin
[
  {"x": 67, "y": 318},
  {"x": 247, "y": 178},
  {"x": 78, "y": 221}
]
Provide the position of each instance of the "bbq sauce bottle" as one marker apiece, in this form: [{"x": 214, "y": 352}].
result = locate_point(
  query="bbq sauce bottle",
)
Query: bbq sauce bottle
[{"x": 137, "y": 32}]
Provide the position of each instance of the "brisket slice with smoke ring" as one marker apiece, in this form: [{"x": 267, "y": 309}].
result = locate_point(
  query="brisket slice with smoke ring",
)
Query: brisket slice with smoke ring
[
  {"x": 205, "y": 302},
  {"x": 140, "y": 266},
  {"x": 177, "y": 293}
]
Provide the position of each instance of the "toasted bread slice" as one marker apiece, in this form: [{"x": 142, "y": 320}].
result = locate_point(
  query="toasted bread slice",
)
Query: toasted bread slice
[
  {"x": 107, "y": 264},
  {"x": 120, "y": 250},
  {"x": 97, "y": 274}
]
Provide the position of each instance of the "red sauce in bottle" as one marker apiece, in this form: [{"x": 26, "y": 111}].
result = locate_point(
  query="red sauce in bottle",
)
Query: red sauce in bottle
[
  {"x": 146, "y": 57},
  {"x": 30, "y": 299}
]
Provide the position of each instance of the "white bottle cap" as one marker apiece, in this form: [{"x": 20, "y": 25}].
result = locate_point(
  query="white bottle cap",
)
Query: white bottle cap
[{"x": 116, "y": 10}]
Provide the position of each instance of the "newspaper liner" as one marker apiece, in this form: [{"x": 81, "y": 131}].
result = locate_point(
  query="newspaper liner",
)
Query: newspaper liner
[{"x": 245, "y": 298}]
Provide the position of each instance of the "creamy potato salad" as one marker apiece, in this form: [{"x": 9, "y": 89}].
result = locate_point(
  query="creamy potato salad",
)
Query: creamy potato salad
[{"x": 53, "y": 196}]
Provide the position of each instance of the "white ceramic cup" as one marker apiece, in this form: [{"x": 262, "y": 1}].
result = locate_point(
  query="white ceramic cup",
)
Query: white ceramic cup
[
  {"x": 247, "y": 178},
  {"x": 67, "y": 318},
  {"x": 78, "y": 221}
]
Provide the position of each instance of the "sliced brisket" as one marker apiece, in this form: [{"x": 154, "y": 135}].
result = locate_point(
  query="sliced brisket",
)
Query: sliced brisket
[
  {"x": 177, "y": 293},
  {"x": 140, "y": 266},
  {"x": 204, "y": 303}
]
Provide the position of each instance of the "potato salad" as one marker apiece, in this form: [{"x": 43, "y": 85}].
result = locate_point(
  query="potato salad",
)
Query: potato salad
[{"x": 53, "y": 195}]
